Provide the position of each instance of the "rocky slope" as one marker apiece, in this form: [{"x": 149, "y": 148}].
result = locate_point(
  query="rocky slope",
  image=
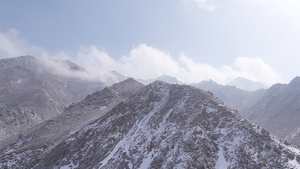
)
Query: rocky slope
[
  {"x": 17, "y": 116},
  {"x": 40, "y": 139},
  {"x": 32, "y": 93},
  {"x": 165, "y": 126},
  {"x": 278, "y": 111}
]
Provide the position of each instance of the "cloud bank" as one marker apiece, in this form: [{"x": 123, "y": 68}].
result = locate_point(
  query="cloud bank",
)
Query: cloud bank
[
  {"x": 146, "y": 62},
  {"x": 143, "y": 62}
]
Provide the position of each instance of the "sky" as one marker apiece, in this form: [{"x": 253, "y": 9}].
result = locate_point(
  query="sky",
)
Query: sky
[{"x": 192, "y": 40}]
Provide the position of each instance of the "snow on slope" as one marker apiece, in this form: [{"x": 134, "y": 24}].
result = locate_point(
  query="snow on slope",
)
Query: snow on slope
[{"x": 171, "y": 126}]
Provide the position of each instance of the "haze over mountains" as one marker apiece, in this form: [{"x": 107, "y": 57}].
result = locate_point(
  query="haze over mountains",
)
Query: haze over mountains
[{"x": 52, "y": 120}]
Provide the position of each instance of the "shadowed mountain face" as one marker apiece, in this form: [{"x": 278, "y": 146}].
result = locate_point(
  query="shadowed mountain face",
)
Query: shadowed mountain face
[
  {"x": 31, "y": 93},
  {"x": 40, "y": 139},
  {"x": 164, "y": 126},
  {"x": 278, "y": 110}
]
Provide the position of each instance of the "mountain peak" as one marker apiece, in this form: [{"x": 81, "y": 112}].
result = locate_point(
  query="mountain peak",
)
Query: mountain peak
[
  {"x": 130, "y": 80},
  {"x": 26, "y": 57},
  {"x": 164, "y": 78},
  {"x": 159, "y": 83},
  {"x": 18, "y": 61},
  {"x": 295, "y": 81},
  {"x": 127, "y": 87},
  {"x": 168, "y": 79}
]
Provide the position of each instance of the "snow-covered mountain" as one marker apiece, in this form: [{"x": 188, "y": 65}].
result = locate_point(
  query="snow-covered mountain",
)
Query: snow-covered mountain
[
  {"x": 165, "y": 126},
  {"x": 278, "y": 111},
  {"x": 30, "y": 92},
  {"x": 246, "y": 84}
]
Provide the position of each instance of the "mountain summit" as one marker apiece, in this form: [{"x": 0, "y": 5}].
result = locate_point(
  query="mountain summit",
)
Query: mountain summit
[{"x": 164, "y": 78}]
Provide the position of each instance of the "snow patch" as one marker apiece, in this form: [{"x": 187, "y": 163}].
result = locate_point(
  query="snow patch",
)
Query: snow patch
[
  {"x": 221, "y": 162},
  {"x": 69, "y": 166},
  {"x": 147, "y": 161},
  {"x": 294, "y": 163},
  {"x": 210, "y": 110}
]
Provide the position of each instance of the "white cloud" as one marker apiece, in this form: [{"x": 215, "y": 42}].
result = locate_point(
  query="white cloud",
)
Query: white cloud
[
  {"x": 146, "y": 62},
  {"x": 143, "y": 62},
  {"x": 205, "y": 5},
  {"x": 11, "y": 45},
  {"x": 256, "y": 69},
  {"x": 289, "y": 7},
  {"x": 260, "y": 1}
]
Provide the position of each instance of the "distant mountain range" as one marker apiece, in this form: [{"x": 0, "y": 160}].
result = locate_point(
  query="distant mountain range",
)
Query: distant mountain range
[
  {"x": 240, "y": 82},
  {"x": 246, "y": 84},
  {"x": 164, "y": 78},
  {"x": 232, "y": 96}
]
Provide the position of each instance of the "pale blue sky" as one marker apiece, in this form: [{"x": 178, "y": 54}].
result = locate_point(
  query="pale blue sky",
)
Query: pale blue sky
[{"x": 212, "y": 32}]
